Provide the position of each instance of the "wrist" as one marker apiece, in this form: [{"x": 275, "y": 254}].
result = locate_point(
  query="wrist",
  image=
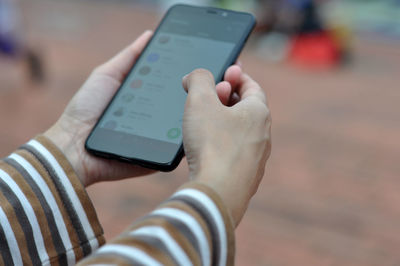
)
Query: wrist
[
  {"x": 67, "y": 144},
  {"x": 225, "y": 183}
]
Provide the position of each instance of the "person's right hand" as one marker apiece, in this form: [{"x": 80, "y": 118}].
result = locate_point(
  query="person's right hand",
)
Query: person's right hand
[{"x": 226, "y": 136}]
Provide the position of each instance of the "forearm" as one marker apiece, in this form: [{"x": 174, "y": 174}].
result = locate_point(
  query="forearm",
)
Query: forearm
[
  {"x": 46, "y": 215},
  {"x": 193, "y": 227}
]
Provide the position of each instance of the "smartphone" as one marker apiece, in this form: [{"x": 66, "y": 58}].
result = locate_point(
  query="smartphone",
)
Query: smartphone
[{"x": 143, "y": 122}]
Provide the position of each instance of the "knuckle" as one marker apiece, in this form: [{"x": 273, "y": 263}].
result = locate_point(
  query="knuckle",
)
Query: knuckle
[
  {"x": 203, "y": 75},
  {"x": 99, "y": 69},
  {"x": 256, "y": 113},
  {"x": 259, "y": 109},
  {"x": 267, "y": 113},
  {"x": 203, "y": 72}
]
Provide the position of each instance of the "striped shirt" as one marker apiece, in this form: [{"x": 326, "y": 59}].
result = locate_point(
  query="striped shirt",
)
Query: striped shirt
[{"x": 47, "y": 218}]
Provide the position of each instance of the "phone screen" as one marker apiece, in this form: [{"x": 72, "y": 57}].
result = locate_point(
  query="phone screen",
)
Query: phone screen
[{"x": 144, "y": 120}]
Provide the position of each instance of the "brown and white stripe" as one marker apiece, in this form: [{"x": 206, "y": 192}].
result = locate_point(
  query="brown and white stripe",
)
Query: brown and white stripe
[
  {"x": 46, "y": 218},
  {"x": 43, "y": 221},
  {"x": 191, "y": 228}
]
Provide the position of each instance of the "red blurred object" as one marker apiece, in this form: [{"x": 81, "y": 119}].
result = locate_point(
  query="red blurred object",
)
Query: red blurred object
[{"x": 315, "y": 49}]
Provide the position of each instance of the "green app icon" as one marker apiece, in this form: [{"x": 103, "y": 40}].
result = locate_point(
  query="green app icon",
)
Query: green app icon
[{"x": 174, "y": 133}]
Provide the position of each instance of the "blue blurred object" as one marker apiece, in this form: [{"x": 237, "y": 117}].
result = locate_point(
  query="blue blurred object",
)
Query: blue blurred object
[
  {"x": 8, "y": 21},
  {"x": 11, "y": 41},
  {"x": 300, "y": 4},
  {"x": 8, "y": 46}
]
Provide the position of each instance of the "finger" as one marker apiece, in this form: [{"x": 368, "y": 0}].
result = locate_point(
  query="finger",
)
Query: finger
[
  {"x": 224, "y": 90},
  {"x": 233, "y": 75},
  {"x": 234, "y": 99},
  {"x": 200, "y": 86},
  {"x": 249, "y": 88},
  {"x": 118, "y": 66}
]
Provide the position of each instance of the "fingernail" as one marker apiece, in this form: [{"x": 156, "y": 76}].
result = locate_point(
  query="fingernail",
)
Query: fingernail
[
  {"x": 184, "y": 82},
  {"x": 185, "y": 76}
]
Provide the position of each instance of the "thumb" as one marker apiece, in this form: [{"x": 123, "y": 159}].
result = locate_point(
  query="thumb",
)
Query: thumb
[
  {"x": 119, "y": 66},
  {"x": 200, "y": 86}
]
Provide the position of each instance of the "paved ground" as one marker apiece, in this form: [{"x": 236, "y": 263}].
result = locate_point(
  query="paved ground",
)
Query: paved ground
[{"x": 331, "y": 191}]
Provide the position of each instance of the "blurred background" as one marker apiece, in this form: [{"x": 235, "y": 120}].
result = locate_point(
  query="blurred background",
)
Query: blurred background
[{"x": 331, "y": 70}]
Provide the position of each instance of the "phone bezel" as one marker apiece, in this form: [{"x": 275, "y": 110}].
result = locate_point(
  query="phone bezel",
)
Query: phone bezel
[{"x": 174, "y": 162}]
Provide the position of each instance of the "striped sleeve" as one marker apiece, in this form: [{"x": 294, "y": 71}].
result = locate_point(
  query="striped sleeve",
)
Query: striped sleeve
[
  {"x": 192, "y": 227},
  {"x": 46, "y": 216}
]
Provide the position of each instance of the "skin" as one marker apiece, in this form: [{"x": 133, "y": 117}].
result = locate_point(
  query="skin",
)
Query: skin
[
  {"x": 223, "y": 126},
  {"x": 227, "y": 146}
]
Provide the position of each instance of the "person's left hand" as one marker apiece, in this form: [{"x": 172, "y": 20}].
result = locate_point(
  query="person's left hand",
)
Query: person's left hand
[{"x": 69, "y": 133}]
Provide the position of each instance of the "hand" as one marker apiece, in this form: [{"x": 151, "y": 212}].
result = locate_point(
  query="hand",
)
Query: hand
[
  {"x": 71, "y": 130},
  {"x": 226, "y": 135}
]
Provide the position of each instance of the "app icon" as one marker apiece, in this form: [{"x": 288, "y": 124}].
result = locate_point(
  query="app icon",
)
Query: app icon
[
  {"x": 119, "y": 112},
  {"x": 164, "y": 39},
  {"x": 110, "y": 124},
  {"x": 127, "y": 98},
  {"x": 153, "y": 57},
  {"x": 136, "y": 84},
  {"x": 173, "y": 133},
  {"x": 144, "y": 70}
]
